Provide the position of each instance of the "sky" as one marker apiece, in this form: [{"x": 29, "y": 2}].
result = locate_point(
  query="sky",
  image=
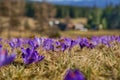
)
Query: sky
[{"x": 99, "y": 3}]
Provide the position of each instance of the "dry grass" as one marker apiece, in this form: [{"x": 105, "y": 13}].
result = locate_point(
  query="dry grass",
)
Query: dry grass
[
  {"x": 74, "y": 34},
  {"x": 71, "y": 34},
  {"x": 77, "y": 20},
  {"x": 100, "y": 63}
]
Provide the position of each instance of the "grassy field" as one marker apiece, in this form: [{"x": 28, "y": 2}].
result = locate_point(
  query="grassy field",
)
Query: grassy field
[
  {"x": 100, "y": 63},
  {"x": 74, "y": 34},
  {"x": 71, "y": 34}
]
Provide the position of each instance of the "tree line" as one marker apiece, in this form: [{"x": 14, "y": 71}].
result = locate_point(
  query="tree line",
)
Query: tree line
[{"x": 108, "y": 17}]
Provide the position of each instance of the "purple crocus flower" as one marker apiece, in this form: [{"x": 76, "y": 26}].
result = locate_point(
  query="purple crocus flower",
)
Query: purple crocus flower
[
  {"x": 57, "y": 46},
  {"x": 95, "y": 40},
  {"x": 48, "y": 44},
  {"x": 84, "y": 43},
  {"x": 74, "y": 75},
  {"x": 118, "y": 39},
  {"x": 73, "y": 43},
  {"x": 60, "y": 46},
  {"x": 12, "y": 45},
  {"x": 5, "y": 59},
  {"x": 30, "y": 55},
  {"x": 39, "y": 41},
  {"x": 36, "y": 42},
  {"x": 63, "y": 44},
  {"x": 15, "y": 43},
  {"x": 70, "y": 43},
  {"x": 33, "y": 44},
  {"x": 63, "y": 47}
]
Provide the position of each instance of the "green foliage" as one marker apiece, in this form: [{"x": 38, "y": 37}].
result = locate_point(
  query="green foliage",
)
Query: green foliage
[
  {"x": 29, "y": 10},
  {"x": 72, "y": 11},
  {"x": 114, "y": 18},
  {"x": 94, "y": 19},
  {"x": 104, "y": 23},
  {"x": 108, "y": 17}
]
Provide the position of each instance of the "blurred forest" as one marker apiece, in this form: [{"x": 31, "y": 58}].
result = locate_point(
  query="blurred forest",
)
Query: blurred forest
[
  {"x": 109, "y": 16},
  {"x": 42, "y": 12}
]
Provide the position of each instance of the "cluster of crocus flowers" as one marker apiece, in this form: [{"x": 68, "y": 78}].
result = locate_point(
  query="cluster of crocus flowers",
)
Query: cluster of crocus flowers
[
  {"x": 62, "y": 44},
  {"x": 6, "y": 59},
  {"x": 30, "y": 55},
  {"x": 74, "y": 74}
]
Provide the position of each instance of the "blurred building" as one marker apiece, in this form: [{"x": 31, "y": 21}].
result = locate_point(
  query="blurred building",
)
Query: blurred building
[{"x": 72, "y": 24}]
